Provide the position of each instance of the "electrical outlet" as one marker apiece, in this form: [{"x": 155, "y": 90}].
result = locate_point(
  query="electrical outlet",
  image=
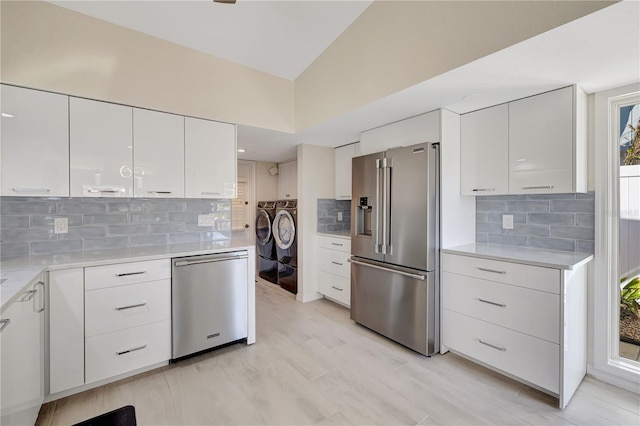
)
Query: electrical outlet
[
  {"x": 339, "y": 216},
  {"x": 507, "y": 221},
  {"x": 60, "y": 225},
  {"x": 206, "y": 220}
]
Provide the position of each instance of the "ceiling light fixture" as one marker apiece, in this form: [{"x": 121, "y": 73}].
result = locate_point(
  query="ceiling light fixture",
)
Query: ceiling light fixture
[{"x": 7, "y": 115}]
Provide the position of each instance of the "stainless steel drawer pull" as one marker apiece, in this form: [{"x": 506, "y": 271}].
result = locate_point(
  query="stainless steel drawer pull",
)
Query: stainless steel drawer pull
[
  {"x": 28, "y": 296},
  {"x": 210, "y": 193},
  {"x": 337, "y": 288},
  {"x": 159, "y": 192},
  {"x": 337, "y": 244},
  {"x": 106, "y": 191},
  {"x": 126, "y": 274},
  {"x": 137, "y": 348},
  {"x": 42, "y": 306},
  {"x": 395, "y": 271},
  {"x": 137, "y": 305},
  {"x": 38, "y": 190},
  {"x": 483, "y": 189},
  {"x": 221, "y": 259},
  {"x": 500, "y": 348},
  {"x": 502, "y": 305},
  {"x": 5, "y": 324},
  {"x": 336, "y": 263},
  {"x": 538, "y": 187},
  {"x": 492, "y": 270}
]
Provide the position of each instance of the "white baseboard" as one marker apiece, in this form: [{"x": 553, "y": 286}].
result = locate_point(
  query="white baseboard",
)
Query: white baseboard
[{"x": 631, "y": 384}]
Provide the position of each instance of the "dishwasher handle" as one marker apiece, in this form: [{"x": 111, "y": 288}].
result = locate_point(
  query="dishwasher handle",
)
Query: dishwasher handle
[{"x": 216, "y": 258}]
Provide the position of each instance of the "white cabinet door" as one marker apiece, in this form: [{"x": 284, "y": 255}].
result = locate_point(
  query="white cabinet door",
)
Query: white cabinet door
[
  {"x": 210, "y": 159},
  {"x": 484, "y": 151},
  {"x": 414, "y": 130},
  {"x": 158, "y": 154},
  {"x": 342, "y": 162},
  {"x": 288, "y": 180},
  {"x": 22, "y": 358},
  {"x": 541, "y": 143},
  {"x": 66, "y": 329},
  {"x": 35, "y": 143},
  {"x": 100, "y": 149}
]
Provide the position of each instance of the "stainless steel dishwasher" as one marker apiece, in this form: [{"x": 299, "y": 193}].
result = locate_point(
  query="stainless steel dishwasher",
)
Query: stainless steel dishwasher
[{"x": 208, "y": 301}]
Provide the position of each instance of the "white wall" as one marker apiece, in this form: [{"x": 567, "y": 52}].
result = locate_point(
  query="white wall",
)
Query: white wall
[
  {"x": 266, "y": 185},
  {"x": 315, "y": 180}
]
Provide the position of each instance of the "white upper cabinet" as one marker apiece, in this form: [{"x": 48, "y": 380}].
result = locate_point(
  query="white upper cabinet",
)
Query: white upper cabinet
[
  {"x": 210, "y": 159},
  {"x": 35, "y": 143},
  {"x": 288, "y": 180},
  {"x": 342, "y": 161},
  {"x": 484, "y": 151},
  {"x": 101, "y": 149},
  {"x": 418, "y": 129},
  {"x": 542, "y": 144},
  {"x": 158, "y": 154}
]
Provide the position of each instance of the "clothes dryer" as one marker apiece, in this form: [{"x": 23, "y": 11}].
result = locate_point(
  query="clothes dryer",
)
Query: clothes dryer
[{"x": 284, "y": 234}]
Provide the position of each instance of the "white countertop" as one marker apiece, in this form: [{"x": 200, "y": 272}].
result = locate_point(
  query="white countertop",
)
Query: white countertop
[
  {"x": 337, "y": 234},
  {"x": 529, "y": 256},
  {"x": 22, "y": 270}
]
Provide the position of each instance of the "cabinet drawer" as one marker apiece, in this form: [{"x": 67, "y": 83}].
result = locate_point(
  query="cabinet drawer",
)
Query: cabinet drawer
[
  {"x": 116, "y": 308},
  {"x": 335, "y": 262},
  {"x": 334, "y": 287},
  {"x": 521, "y": 309},
  {"x": 534, "y": 360},
  {"x": 126, "y": 273},
  {"x": 333, "y": 243},
  {"x": 110, "y": 354},
  {"x": 534, "y": 277}
]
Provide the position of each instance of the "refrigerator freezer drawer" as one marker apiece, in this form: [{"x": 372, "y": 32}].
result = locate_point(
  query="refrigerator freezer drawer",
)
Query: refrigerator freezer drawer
[{"x": 397, "y": 303}]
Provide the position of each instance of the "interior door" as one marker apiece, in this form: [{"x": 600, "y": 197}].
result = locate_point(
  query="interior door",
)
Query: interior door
[
  {"x": 410, "y": 175},
  {"x": 365, "y": 207}
]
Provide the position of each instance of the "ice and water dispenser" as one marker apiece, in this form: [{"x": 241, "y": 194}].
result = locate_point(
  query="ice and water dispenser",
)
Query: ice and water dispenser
[{"x": 363, "y": 217}]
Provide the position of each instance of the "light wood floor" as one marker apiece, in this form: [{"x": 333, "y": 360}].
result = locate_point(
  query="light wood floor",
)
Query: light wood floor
[{"x": 312, "y": 365}]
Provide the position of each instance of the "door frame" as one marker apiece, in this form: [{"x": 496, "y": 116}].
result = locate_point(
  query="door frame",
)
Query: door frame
[{"x": 605, "y": 291}]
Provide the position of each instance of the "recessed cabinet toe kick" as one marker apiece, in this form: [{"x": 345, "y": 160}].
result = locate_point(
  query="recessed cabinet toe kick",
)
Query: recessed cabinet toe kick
[{"x": 209, "y": 302}]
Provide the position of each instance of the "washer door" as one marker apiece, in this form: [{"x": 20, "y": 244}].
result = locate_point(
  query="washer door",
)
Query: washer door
[
  {"x": 263, "y": 228},
  {"x": 284, "y": 229}
]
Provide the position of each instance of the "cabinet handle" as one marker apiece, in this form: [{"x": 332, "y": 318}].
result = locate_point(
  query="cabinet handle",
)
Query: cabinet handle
[
  {"x": 210, "y": 193},
  {"x": 100, "y": 191},
  {"x": 126, "y": 351},
  {"x": 28, "y": 296},
  {"x": 336, "y": 288},
  {"x": 483, "y": 189},
  {"x": 502, "y": 305},
  {"x": 159, "y": 192},
  {"x": 336, "y": 263},
  {"x": 137, "y": 305},
  {"x": 126, "y": 274},
  {"x": 5, "y": 323},
  {"x": 492, "y": 270},
  {"x": 40, "y": 308},
  {"x": 500, "y": 348},
  {"x": 336, "y": 244},
  {"x": 39, "y": 190},
  {"x": 538, "y": 187}
]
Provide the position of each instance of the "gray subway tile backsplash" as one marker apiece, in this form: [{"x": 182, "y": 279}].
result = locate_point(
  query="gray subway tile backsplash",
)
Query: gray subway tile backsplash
[
  {"x": 547, "y": 221},
  {"x": 327, "y": 219},
  {"x": 26, "y": 224}
]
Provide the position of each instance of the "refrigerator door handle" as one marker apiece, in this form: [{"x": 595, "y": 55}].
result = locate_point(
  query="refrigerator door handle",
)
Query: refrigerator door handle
[
  {"x": 387, "y": 249},
  {"x": 395, "y": 271},
  {"x": 378, "y": 199}
]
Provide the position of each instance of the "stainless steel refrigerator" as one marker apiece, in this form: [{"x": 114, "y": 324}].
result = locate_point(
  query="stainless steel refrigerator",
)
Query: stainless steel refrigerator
[{"x": 394, "y": 245}]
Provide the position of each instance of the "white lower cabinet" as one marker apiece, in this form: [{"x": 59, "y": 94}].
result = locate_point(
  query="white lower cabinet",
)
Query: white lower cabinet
[
  {"x": 523, "y": 320},
  {"x": 334, "y": 275},
  {"x": 127, "y": 317},
  {"x": 126, "y": 350},
  {"x": 66, "y": 329},
  {"x": 22, "y": 356}
]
